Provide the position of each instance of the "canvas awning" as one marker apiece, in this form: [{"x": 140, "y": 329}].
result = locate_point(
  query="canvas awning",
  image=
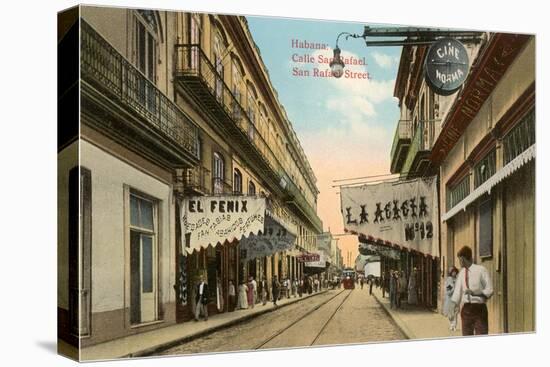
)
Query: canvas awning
[{"x": 494, "y": 180}]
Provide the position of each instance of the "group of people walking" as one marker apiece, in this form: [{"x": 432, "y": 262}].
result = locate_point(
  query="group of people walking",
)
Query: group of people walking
[
  {"x": 251, "y": 292},
  {"x": 399, "y": 287}
]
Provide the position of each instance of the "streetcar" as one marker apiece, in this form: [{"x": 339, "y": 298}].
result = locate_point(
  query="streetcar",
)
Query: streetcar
[{"x": 348, "y": 278}]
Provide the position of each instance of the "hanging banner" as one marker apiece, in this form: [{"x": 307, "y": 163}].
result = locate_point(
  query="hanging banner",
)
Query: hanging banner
[
  {"x": 308, "y": 257},
  {"x": 207, "y": 220},
  {"x": 274, "y": 238},
  {"x": 321, "y": 263},
  {"x": 401, "y": 213}
]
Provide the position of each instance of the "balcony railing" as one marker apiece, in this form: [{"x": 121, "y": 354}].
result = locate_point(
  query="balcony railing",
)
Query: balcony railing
[
  {"x": 200, "y": 76},
  {"x": 299, "y": 198},
  {"x": 192, "y": 61},
  {"x": 403, "y": 132},
  {"x": 425, "y": 135},
  {"x": 197, "y": 179},
  {"x": 106, "y": 69},
  {"x": 401, "y": 142},
  {"x": 220, "y": 186}
]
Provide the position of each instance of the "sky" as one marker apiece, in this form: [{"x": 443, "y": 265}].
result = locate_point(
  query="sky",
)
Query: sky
[{"x": 346, "y": 126}]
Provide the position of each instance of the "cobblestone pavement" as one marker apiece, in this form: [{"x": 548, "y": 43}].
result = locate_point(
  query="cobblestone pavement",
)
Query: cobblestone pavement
[
  {"x": 329, "y": 318},
  {"x": 360, "y": 320}
]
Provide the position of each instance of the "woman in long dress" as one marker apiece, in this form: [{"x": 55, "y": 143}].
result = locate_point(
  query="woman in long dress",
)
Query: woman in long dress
[
  {"x": 449, "y": 308},
  {"x": 243, "y": 302},
  {"x": 250, "y": 294},
  {"x": 413, "y": 298}
]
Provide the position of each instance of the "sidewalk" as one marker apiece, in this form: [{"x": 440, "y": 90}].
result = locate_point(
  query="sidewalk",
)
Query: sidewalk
[
  {"x": 148, "y": 343},
  {"x": 416, "y": 322}
]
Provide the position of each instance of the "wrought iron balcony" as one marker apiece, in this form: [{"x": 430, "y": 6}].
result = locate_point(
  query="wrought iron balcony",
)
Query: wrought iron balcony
[
  {"x": 199, "y": 78},
  {"x": 401, "y": 143},
  {"x": 297, "y": 198},
  {"x": 118, "y": 97},
  {"x": 425, "y": 135},
  {"x": 197, "y": 180}
]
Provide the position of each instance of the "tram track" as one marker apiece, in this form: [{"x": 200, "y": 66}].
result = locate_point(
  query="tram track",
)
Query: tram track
[{"x": 302, "y": 318}]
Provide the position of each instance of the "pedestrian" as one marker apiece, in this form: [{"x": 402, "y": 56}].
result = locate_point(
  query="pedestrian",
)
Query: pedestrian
[
  {"x": 201, "y": 297},
  {"x": 232, "y": 294},
  {"x": 275, "y": 290},
  {"x": 255, "y": 292},
  {"x": 385, "y": 283},
  {"x": 398, "y": 290},
  {"x": 473, "y": 288},
  {"x": 361, "y": 282},
  {"x": 316, "y": 283},
  {"x": 295, "y": 288},
  {"x": 242, "y": 301},
  {"x": 263, "y": 291},
  {"x": 450, "y": 308},
  {"x": 289, "y": 287},
  {"x": 402, "y": 287},
  {"x": 393, "y": 290},
  {"x": 250, "y": 293},
  {"x": 411, "y": 288},
  {"x": 301, "y": 288},
  {"x": 371, "y": 282}
]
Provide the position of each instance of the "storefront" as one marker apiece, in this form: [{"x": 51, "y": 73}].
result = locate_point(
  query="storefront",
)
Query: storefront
[
  {"x": 223, "y": 239},
  {"x": 399, "y": 222}
]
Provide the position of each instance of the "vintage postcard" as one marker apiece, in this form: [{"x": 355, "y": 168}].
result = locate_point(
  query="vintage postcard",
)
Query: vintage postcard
[{"x": 300, "y": 182}]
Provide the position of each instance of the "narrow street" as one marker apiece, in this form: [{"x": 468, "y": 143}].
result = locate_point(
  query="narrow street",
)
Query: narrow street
[{"x": 335, "y": 317}]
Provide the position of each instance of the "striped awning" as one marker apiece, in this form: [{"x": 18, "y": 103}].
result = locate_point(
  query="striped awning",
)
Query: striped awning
[{"x": 494, "y": 180}]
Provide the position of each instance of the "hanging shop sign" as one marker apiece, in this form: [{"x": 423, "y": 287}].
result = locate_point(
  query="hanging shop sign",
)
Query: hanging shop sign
[
  {"x": 321, "y": 263},
  {"x": 446, "y": 66},
  {"x": 274, "y": 238},
  {"x": 398, "y": 213},
  {"x": 308, "y": 257},
  {"x": 208, "y": 220}
]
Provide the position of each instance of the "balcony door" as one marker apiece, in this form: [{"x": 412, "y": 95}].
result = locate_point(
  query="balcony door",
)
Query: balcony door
[
  {"x": 194, "y": 39},
  {"x": 143, "y": 259},
  {"x": 218, "y": 173},
  {"x": 146, "y": 59},
  {"x": 218, "y": 62}
]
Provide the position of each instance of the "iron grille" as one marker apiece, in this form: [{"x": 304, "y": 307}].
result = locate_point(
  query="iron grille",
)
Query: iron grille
[
  {"x": 520, "y": 138},
  {"x": 485, "y": 168},
  {"x": 458, "y": 192}
]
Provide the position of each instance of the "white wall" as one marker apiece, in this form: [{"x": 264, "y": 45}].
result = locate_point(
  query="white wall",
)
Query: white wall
[{"x": 109, "y": 175}]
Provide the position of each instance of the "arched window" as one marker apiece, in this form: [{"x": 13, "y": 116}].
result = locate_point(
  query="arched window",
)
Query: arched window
[
  {"x": 251, "y": 188},
  {"x": 147, "y": 37},
  {"x": 146, "y": 51},
  {"x": 218, "y": 173},
  {"x": 237, "y": 182}
]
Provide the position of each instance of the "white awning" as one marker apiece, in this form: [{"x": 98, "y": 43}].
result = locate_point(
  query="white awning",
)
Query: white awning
[{"x": 495, "y": 179}]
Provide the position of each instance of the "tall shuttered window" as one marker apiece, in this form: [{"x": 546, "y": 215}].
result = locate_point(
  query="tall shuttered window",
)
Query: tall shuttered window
[
  {"x": 485, "y": 168},
  {"x": 458, "y": 192},
  {"x": 521, "y": 137}
]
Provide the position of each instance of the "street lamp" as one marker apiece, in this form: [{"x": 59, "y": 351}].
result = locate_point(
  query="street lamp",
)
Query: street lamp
[{"x": 337, "y": 64}]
